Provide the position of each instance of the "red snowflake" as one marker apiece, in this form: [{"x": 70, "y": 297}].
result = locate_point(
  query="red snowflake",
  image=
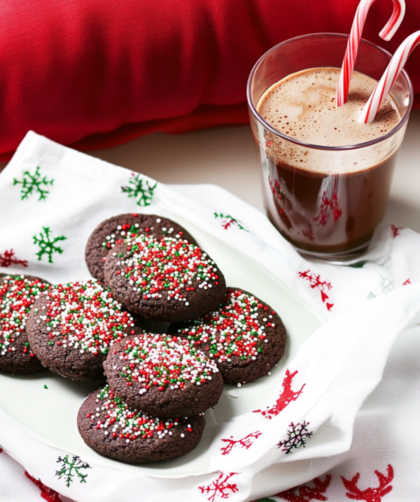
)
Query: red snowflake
[
  {"x": 285, "y": 398},
  {"x": 307, "y": 493},
  {"x": 308, "y": 233},
  {"x": 220, "y": 487},
  {"x": 395, "y": 231},
  {"x": 245, "y": 442},
  {"x": 315, "y": 282},
  {"x": 370, "y": 494},
  {"x": 46, "y": 493},
  {"x": 408, "y": 281},
  {"x": 8, "y": 258},
  {"x": 329, "y": 206}
]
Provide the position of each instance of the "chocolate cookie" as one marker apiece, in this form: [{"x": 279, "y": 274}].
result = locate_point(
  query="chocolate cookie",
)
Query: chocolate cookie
[
  {"x": 163, "y": 376},
  {"x": 72, "y": 327},
  {"x": 118, "y": 229},
  {"x": 166, "y": 280},
  {"x": 114, "y": 430},
  {"x": 17, "y": 296},
  {"x": 244, "y": 337}
]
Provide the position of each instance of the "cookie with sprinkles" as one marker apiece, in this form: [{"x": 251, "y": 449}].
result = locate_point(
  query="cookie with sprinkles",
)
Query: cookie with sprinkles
[
  {"x": 119, "y": 228},
  {"x": 163, "y": 375},
  {"x": 72, "y": 327},
  {"x": 18, "y": 293},
  {"x": 113, "y": 429},
  {"x": 166, "y": 280},
  {"x": 245, "y": 337}
]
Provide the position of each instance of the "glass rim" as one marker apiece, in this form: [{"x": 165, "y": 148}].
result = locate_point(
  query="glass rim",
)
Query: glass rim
[{"x": 322, "y": 147}]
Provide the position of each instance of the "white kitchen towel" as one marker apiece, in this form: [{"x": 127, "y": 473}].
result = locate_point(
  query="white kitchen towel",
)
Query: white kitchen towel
[{"x": 51, "y": 198}]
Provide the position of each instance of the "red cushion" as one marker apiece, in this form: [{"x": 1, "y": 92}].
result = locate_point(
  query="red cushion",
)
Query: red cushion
[{"x": 94, "y": 73}]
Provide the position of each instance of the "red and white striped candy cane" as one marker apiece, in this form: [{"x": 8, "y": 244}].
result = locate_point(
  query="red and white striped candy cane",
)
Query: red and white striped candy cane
[
  {"x": 354, "y": 40},
  {"x": 394, "y": 68}
]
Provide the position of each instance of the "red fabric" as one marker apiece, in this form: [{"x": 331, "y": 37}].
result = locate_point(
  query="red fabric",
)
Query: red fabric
[{"x": 94, "y": 73}]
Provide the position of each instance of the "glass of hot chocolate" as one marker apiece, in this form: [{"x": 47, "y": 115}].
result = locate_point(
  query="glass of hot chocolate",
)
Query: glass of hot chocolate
[{"x": 326, "y": 178}]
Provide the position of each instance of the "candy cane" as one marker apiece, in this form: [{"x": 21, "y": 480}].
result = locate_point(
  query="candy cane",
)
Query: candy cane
[
  {"x": 394, "y": 68},
  {"x": 354, "y": 40}
]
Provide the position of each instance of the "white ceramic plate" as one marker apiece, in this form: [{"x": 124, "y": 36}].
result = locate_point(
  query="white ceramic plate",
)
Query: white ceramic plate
[{"x": 50, "y": 413}]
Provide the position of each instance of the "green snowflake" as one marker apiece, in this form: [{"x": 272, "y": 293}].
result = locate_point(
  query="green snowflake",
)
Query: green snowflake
[
  {"x": 386, "y": 285},
  {"x": 71, "y": 468},
  {"x": 229, "y": 221},
  {"x": 141, "y": 189},
  {"x": 46, "y": 245},
  {"x": 33, "y": 182}
]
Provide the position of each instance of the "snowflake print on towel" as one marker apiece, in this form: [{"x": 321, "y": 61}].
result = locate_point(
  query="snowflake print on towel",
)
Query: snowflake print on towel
[
  {"x": 386, "y": 285},
  {"x": 71, "y": 468},
  {"x": 370, "y": 494},
  {"x": 140, "y": 189},
  {"x": 307, "y": 493},
  {"x": 46, "y": 493},
  {"x": 407, "y": 282},
  {"x": 46, "y": 245},
  {"x": 8, "y": 258},
  {"x": 33, "y": 183},
  {"x": 286, "y": 397},
  {"x": 229, "y": 221},
  {"x": 295, "y": 437},
  {"x": 316, "y": 283},
  {"x": 245, "y": 442},
  {"x": 220, "y": 488}
]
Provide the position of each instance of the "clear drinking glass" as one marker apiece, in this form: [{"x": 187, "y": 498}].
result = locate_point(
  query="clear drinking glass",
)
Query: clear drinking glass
[{"x": 332, "y": 213}]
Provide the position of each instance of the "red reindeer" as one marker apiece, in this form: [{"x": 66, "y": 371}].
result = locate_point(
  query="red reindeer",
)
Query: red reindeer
[
  {"x": 286, "y": 397},
  {"x": 308, "y": 493},
  {"x": 370, "y": 494}
]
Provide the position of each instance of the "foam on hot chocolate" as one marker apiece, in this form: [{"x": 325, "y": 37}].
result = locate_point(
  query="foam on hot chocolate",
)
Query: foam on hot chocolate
[{"x": 302, "y": 106}]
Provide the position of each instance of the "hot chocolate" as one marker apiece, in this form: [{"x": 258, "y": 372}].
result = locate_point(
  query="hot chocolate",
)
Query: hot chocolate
[
  {"x": 326, "y": 203},
  {"x": 302, "y": 106}
]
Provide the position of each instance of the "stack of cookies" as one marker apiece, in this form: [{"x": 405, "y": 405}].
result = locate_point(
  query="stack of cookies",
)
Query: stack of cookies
[{"x": 158, "y": 387}]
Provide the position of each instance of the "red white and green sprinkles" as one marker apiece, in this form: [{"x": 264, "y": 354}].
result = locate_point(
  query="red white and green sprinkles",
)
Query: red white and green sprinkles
[
  {"x": 17, "y": 295},
  {"x": 168, "y": 264},
  {"x": 122, "y": 234},
  {"x": 234, "y": 330},
  {"x": 84, "y": 315},
  {"x": 130, "y": 231},
  {"x": 120, "y": 421},
  {"x": 164, "y": 362}
]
